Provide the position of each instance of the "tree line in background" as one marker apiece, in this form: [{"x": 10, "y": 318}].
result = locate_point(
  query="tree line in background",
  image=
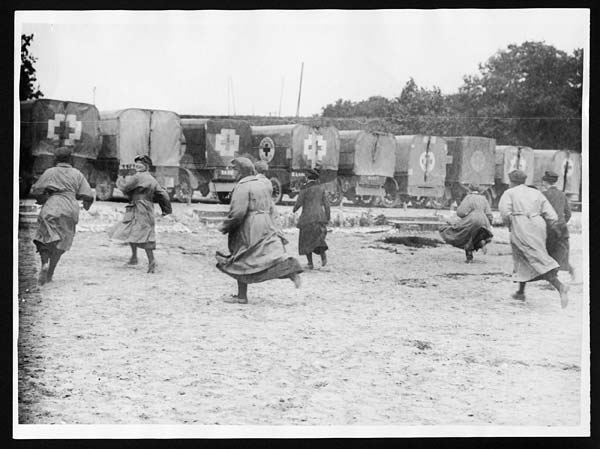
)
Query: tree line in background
[
  {"x": 528, "y": 94},
  {"x": 27, "y": 81}
]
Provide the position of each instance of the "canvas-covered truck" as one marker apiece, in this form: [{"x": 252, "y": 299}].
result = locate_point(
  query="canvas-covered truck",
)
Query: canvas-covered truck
[
  {"x": 509, "y": 158},
  {"x": 48, "y": 124},
  {"x": 291, "y": 149},
  {"x": 210, "y": 147},
  {"x": 567, "y": 165},
  {"x": 127, "y": 133},
  {"x": 471, "y": 160},
  {"x": 366, "y": 160},
  {"x": 419, "y": 172}
]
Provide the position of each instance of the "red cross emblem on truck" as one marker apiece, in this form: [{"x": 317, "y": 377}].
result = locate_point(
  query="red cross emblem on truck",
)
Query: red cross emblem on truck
[
  {"x": 65, "y": 129},
  {"x": 314, "y": 149},
  {"x": 227, "y": 142}
]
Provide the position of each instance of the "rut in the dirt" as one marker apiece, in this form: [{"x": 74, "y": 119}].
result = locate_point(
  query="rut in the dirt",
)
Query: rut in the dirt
[{"x": 413, "y": 241}]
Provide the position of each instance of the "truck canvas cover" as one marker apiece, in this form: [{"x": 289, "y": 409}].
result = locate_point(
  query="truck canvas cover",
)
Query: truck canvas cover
[
  {"x": 131, "y": 132},
  {"x": 194, "y": 131},
  {"x": 273, "y": 143},
  {"x": 307, "y": 147},
  {"x": 473, "y": 160},
  {"x": 566, "y": 164},
  {"x": 48, "y": 124},
  {"x": 225, "y": 140},
  {"x": 509, "y": 158},
  {"x": 422, "y": 160},
  {"x": 366, "y": 153}
]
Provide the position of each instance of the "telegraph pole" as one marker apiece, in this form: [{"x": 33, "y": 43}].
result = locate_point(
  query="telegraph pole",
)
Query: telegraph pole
[
  {"x": 281, "y": 95},
  {"x": 300, "y": 90},
  {"x": 94, "y": 96}
]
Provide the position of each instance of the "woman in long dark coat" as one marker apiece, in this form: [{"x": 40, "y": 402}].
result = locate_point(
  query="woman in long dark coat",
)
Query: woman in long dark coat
[
  {"x": 557, "y": 237},
  {"x": 473, "y": 231},
  {"x": 137, "y": 226},
  {"x": 256, "y": 245},
  {"x": 313, "y": 219},
  {"x": 58, "y": 189}
]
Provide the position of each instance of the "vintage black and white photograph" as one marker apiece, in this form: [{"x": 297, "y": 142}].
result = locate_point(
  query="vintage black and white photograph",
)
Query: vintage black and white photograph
[{"x": 301, "y": 223}]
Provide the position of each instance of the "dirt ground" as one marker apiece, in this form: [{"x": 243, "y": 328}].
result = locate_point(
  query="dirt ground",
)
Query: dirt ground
[{"x": 385, "y": 334}]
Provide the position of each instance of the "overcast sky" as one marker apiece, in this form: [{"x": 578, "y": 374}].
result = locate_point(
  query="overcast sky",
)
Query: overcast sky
[{"x": 187, "y": 61}]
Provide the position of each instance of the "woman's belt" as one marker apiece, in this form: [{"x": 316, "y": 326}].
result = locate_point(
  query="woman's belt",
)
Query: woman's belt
[
  {"x": 535, "y": 214},
  {"x": 68, "y": 194},
  {"x": 140, "y": 196}
]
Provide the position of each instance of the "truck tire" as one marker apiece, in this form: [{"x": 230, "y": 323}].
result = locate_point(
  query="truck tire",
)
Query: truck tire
[
  {"x": 224, "y": 197},
  {"x": 390, "y": 199},
  {"x": 104, "y": 187},
  {"x": 184, "y": 191},
  {"x": 335, "y": 197},
  {"x": 277, "y": 189}
]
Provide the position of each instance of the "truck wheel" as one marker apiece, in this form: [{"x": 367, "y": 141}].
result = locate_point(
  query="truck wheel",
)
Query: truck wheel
[
  {"x": 184, "y": 191},
  {"x": 224, "y": 197},
  {"x": 24, "y": 187},
  {"x": 335, "y": 197},
  {"x": 390, "y": 198},
  {"x": 277, "y": 189},
  {"x": 104, "y": 187}
]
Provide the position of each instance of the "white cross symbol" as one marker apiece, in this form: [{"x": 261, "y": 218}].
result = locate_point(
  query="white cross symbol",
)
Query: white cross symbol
[
  {"x": 227, "y": 142},
  {"x": 427, "y": 161},
  {"x": 567, "y": 166},
  {"x": 314, "y": 149},
  {"x": 521, "y": 166},
  {"x": 64, "y": 125}
]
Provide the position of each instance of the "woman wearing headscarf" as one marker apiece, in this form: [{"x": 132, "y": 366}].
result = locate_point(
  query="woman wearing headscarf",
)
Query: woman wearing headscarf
[
  {"x": 256, "y": 246},
  {"x": 59, "y": 189},
  {"x": 137, "y": 226},
  {"x": 474, "y": 230},
  {"x": 527, "y": 212},
  {"x": 557, "y": 240},
  {"x": 313, "y": 219}
]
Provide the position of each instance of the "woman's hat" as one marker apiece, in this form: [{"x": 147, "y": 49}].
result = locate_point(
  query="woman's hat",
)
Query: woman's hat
[
  {"x": 63, "y": 152},
  {"x": 476, "y": 188},
  {"x": 144, "y": 159},
  {"x": 261, "y": 166},
  {"x": 550, "y": 176},
  {"x": 517, "y": 176},
  {"x": 244, "y": 166}
]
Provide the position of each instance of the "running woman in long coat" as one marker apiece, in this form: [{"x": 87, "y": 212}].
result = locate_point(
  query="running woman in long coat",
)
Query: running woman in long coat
[
  {"x": 137, "y": 226},
  {"x": 313, "y": 219},
  {"x": 474, "y": 230},
  {"x": 59, "y": 189},
  {"x": 527, "y": 211},
  {"x": 256, "y": 247},
  {"x": 557, "y": 240}
]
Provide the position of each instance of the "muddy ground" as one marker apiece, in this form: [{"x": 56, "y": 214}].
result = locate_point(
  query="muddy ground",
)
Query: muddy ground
[{"x": 385, "y": 334}]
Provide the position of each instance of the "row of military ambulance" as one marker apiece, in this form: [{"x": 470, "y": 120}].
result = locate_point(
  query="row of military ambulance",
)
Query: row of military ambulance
[{"x": 195, "y": 154}]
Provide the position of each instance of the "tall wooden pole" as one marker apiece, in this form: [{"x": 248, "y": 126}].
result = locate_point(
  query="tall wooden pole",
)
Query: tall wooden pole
[
  {"x": 281, "y": 95},
  {"x": 300, "y": 90}
]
